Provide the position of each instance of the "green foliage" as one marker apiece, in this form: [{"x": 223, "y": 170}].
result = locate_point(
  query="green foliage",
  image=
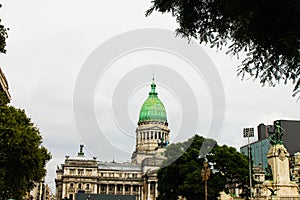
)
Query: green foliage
[
  {"x": 3, "y": 99},
  {"x": 23, "y": 159},
  {"x": 268, "y": 31},
  {"x": 3, "y": 36},
  {"x": 181, "y": 176}
]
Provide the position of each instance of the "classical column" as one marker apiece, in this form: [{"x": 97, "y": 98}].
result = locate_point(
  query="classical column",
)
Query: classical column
[
  {"x": 107, "y": 187},
  {"x": 148, "y": 191},
  {"x": 142, "y": 192},
  {"x": 155, "y": 191},
  {"x": 115, "y": 192},
  {"x": 123, "y": 189},
  {"x": 130, "y": 189},
  {"x": 139, "y": 193},
  {"x": 95, "y": 188},
  {"x": 64, "y": 190}
]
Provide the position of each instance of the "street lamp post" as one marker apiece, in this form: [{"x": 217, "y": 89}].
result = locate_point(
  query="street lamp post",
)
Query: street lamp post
[
  {"x": 205, "y": 173},
  {"x": 249, "y": 132}
]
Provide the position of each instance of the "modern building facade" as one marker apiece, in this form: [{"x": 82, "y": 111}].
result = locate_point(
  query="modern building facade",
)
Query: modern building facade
[
  {"x": 137, "y": 178},
  {"x": 259, "y": 151},
  {"x": 260, "y": 148}
]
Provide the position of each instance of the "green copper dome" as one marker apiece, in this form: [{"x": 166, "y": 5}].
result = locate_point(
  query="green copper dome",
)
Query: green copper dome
[{"x": 153, "y": 109}]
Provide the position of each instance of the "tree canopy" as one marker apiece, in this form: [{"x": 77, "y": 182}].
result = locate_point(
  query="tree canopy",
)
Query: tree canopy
[
  {"x": 23, "y": 159},
  {"x": 181, "y": 176},
  {"x": 3, "y": 36},
  {"x": 267, "y": 30}
]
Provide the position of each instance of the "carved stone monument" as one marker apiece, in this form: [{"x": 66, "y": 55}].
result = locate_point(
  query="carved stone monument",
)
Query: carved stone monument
[{"x": 278, "y": 159}]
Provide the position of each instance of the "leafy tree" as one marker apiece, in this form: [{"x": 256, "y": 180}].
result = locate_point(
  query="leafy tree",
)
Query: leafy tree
[
  {"x": 180, "y": 175},
  {"x": 267, "y": 30},
  {"x": 3, "y": 36},
  {"x": 23, "y": 159}
]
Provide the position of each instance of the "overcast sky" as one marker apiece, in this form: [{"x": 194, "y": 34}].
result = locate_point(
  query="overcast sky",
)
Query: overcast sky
[{"x": 54, "y": 46}]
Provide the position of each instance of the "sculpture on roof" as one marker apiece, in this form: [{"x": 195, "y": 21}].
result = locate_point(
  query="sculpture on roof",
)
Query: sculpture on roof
[
  {"x": 276, "y": 138},
  {"x": 80, "y": 153},
  {"x": 162, "y": 143}
]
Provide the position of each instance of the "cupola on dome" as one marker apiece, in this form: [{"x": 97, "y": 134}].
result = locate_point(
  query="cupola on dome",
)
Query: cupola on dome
[{"x": 153, "y": 109}]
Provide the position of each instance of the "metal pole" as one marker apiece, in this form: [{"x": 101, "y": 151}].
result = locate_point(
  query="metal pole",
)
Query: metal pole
[
  {"x": 205, "y": 173},
  {"x": 205, "y": 188},
  {"x": 250, "y": 173}
]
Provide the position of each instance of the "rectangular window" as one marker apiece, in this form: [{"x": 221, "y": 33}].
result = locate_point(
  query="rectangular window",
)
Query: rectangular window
[
  {"x": 119, "y": 188},
  {"x": 111, "y": 187},
  {"x": 72, "y": 171},
  {"x": 103, "y": 188},
  {"x": 134, "y": 188},
  {"x": 89, "y": 172},
  {"x": 151, "y": 186}
]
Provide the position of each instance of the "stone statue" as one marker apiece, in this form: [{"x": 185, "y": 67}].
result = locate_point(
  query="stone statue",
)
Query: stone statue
[
  {"x": 81, "y": 148},
  {"x": 276, "y": 138},
  {"x": 162, "y": 143},
  {"x": 80, "y": 153}
]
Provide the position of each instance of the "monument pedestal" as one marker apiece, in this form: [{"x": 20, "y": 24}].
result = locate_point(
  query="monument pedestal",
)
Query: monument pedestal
[{"x": 280, "y": 186}]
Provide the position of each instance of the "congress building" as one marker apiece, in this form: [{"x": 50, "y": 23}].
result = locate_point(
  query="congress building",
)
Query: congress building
[{"x": 136, "y": 179}]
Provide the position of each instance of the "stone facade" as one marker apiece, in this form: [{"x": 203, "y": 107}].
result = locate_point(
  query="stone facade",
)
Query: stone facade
[
  {"x": 96, "y": 177},
  {"x": 41, "y": 191},
  {"x": 148, "y": 135},
  {"x": 4, "y": 85},
  {"x": 138, "y": 177},
  {"x": 295, "y": 168}
]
